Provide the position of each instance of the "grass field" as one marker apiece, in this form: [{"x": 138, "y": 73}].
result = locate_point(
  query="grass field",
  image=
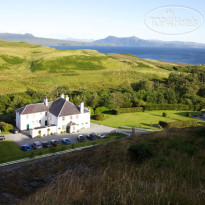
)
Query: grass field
[
  {"x": 9, "y": 151},
  {"x": 25, "y": 66},
  {"x": 147, "y": 119}
]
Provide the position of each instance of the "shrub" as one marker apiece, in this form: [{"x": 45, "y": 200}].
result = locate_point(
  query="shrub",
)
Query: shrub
[
  {"x": 188, "y": 114},
  {"x": 99, "y": 116},
  {"x": 140, "y": 152},
  {"x": 101, "y": 110},
  {"x": 178, "y": 124},
  {"x": 164, "y": 114},
  {"x": 6, "y": 127}
]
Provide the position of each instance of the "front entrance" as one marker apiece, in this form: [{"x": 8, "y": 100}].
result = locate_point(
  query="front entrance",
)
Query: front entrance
[
  {"x": 46, "y": 123},
  {"x": 68, "y": 129},
  {"x": 27, "y": 126}
]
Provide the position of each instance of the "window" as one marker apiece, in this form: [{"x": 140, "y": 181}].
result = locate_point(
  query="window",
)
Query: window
[
  {"x": 39, "y": 121},
  {"x": 26, "y": 116},
  {"x": 76, "y": 116},
  {"x": 46, "y": 113},
  {"x": 63, "y": 118}
]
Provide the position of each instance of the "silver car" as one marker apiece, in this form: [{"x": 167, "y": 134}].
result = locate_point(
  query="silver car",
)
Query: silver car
[{"x": 37, "y": 145}]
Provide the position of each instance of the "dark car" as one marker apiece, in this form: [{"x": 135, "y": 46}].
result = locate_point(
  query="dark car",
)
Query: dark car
[
  {"x": 2, "y": 137},
  {"x": 46, "y": 144},
  {"x": 101, "y": 135},
  {"x": 66, "y": 141},
  {"x": 37, "y": 145},
  {"x": 26, "y": 148},
  {"x": 15, "y": 130},
  {"x": 55, "y": 143},
  {"x": 91, "y": 136},
  {"x": 81, "y": 138}
]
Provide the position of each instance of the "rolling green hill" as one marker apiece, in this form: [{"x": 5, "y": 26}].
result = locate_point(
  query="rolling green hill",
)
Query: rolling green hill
[{"x": 41, "y": 68}]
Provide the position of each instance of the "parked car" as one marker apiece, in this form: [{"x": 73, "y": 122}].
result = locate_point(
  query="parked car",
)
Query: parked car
[
  {"x": 101, "y": 135},
  {"x": 26, "y": 148},
  {"x": 66, "y": 141},
  {"x": 46, "y": 144},
  {"x": 91, "y": 136},
  {"x": 15, "y": 130},
  {"x": 37, "y": 145},
  {"x": 2, "y": 137},
  {"x": 81, "y": 138},
  {"x": 55, "y": 143}
]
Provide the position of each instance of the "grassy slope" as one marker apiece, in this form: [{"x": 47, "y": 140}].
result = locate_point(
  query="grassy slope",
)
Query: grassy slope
[
  {"x": 43, "y": 68},
  {"x": 106, "y": 174},
  {"x": 147, "y": 119}
]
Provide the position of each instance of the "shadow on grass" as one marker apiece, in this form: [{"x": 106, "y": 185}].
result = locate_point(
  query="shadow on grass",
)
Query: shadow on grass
[
  {"x": 151, "y": 125},
  {"x": 184, "y": 114}
]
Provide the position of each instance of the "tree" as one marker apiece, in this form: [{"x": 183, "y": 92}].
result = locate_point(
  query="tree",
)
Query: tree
[{"x": 141, "y": 85}]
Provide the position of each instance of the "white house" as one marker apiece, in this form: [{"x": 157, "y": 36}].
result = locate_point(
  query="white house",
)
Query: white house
[{"x": 53, "y": 117}]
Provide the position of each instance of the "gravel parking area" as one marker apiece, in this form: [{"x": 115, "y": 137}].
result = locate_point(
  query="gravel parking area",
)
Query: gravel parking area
[{"x": 22, "y": 139}]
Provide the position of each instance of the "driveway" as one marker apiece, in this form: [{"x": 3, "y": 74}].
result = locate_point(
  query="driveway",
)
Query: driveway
[{"x": 22, "y": 139}]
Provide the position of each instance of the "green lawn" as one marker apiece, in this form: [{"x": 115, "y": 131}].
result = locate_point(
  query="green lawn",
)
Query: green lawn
[
  {"x": 147, "y": 119},
  {"x": 9, "y": 151}
]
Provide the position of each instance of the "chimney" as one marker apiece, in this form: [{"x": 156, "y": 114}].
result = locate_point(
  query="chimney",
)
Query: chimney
[
  {"x": 46, "y": 101},
  {"x": 82, "y": 107},
  {"x": 62, "y": 95},
  {"x": 67, "y": 98}
]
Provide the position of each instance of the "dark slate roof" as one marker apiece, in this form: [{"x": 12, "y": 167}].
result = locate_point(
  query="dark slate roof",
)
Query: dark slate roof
[
  {"x": 34, "y": 108},
  {"x": 61, "y": 108},
  {"x": 58, "y": 108}
]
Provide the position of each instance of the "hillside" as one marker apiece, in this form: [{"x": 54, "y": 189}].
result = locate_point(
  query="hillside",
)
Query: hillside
[
  {"x": 169, "y": 170},
  {"x": 43, "y": 68},
  {"x": 137, "y": 42},
  {"x": 29, "y": 38}
]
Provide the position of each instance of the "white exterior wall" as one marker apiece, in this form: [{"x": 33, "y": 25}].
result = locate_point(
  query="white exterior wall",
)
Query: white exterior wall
[
  {"x": 44, "y": 131},
  {"x": 18, "y": 120},
  {"x": 81, "y": 121},
  {"x": 33, "y": 120}
]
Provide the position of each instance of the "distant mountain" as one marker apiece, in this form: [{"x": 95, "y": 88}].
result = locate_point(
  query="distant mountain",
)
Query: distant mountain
[
  {"x": 137, "y": 42},
  {"x": 29, "y": 38},
  {"x": 109, "y": 41}
]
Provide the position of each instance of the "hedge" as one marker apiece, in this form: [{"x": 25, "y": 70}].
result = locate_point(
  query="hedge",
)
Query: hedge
[
  {"x": 178, "y": 124},
  {"x": 127, "y": 110},
  {"x": 168, "y": 107},
  {"x": 101, "y": 110}
]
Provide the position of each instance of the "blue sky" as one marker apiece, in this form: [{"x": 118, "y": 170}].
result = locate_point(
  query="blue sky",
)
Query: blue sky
[{"x": 90, "y": 19}]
